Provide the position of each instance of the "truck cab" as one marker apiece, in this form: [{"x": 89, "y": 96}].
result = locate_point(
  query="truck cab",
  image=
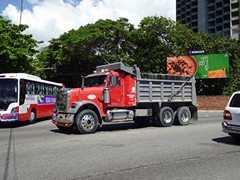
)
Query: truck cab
[{"x": 101, "y": 92}]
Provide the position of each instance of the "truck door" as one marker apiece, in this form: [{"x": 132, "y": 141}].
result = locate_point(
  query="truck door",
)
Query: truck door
[{"x": 116, "y": 92}]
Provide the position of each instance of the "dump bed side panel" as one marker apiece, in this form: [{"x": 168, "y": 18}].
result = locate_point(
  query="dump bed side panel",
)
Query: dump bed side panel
[{"x": 166, "y": 89}]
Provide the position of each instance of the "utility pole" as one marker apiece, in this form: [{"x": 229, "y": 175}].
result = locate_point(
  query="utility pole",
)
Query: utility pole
[{"x": 20, "y": 20}]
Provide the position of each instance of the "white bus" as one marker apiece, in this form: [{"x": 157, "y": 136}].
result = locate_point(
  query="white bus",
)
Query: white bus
[{"x": 24, "y": 97}]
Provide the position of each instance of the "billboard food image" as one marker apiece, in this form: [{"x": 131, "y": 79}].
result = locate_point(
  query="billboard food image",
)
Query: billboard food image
[
  {"x": 201, "y": 66},
  {"x": 181, "y": 65},
  {"x": 212, "y": 66},
  {"x": 220, "y": 73}
]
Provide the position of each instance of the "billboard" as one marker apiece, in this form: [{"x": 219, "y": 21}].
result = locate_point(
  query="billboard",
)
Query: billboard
[{"x": 202, "y": 66}]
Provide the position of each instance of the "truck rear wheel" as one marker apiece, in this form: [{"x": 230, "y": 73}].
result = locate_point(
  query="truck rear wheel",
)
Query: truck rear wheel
[
  {"x": 183, "y": 116},
  {"x": 86, "y": 121},
  {"x": 164, "y": 117}
]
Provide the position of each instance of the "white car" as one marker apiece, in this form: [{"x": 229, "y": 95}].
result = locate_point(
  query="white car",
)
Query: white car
[{"x": 231, "y": 117}]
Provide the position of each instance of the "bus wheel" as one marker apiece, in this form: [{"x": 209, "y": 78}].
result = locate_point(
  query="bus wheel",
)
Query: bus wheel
[
  {"x": 183, "y": 116},
  {"x": 164, "y": 117},
  {"x": 32, "y": 118},
  {"x": 86, "y": 121}
]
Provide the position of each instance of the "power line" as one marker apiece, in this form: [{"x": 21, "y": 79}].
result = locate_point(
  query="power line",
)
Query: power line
[{"x": 20, "y": 21}]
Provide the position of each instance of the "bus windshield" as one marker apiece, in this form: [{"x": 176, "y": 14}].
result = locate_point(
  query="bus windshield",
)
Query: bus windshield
[
  {"x": 96, "y": 80},
  {"x": 8, "y": 92}
]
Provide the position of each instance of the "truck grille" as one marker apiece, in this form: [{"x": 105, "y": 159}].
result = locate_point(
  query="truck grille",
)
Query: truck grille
[{"x": 62, "y": 99}]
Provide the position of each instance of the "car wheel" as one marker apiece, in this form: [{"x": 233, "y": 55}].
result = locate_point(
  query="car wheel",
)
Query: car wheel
[{"x": 87, "y": 121}]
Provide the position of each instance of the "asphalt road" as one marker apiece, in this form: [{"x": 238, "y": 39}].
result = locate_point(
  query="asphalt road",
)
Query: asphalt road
[{"x": 120, "y": 151}]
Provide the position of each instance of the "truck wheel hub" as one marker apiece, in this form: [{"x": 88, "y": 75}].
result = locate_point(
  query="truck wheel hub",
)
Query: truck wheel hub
[
  {"x": 185, "y": 117},
  {"x": 167, "y": 117},
  {"x": 87, "y": 121}
]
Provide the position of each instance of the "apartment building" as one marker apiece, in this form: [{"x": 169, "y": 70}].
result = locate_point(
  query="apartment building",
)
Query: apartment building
[{"x": 211, "y": 16}]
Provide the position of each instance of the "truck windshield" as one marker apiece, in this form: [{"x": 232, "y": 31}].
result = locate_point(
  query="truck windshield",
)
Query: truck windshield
[
  {"x": 92, "y": 81},
  {"x": 8, "y": 92}
]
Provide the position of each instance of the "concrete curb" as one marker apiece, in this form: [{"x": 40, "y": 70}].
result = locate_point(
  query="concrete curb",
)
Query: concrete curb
[{"x": 202, "y": 110}]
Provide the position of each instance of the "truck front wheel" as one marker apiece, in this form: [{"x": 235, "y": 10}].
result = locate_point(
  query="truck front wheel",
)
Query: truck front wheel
[{"x": 86, "y": 121}]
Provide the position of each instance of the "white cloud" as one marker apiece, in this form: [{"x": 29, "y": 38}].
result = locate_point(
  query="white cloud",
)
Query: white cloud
[
  {"x": 33, "y": 1},
  {"x": 48, "y": 19}
]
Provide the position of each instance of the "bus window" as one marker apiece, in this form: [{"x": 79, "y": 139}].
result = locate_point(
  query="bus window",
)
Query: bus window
[
  {"x": 54, "y": 90},
  {"x": 33, "y": 88},
  {"x": 38, "y": 88},
  {"x": 46, "y": 89},
  {"x": 42, "y": 92},
  {"x": 50, "y": 90},
  {"x": 28, "y": 87}
]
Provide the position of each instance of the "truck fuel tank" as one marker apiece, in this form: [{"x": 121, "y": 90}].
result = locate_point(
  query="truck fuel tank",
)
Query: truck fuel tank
[
  {"x": 106, "y": 96},
  {"x": 119, "y": 114}
]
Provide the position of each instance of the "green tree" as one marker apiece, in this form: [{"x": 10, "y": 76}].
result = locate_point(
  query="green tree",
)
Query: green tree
[
  {"x": 233, "y": 50},
  {"x": 156, "y": 39},
  {"x": 16, "y": 49},
  {"x": 78, "y": 52}
]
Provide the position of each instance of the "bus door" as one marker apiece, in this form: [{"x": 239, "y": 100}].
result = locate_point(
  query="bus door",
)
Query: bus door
[{"x": 23, "y": 102}]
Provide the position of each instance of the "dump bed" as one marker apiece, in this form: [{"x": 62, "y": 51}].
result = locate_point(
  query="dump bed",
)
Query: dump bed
[
  {"x": 158, "y": 87},
  {"x": 165, "y": 88}
]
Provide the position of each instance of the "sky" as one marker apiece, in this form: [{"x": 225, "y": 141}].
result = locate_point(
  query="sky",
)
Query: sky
[{"x": 48, "y": 19}]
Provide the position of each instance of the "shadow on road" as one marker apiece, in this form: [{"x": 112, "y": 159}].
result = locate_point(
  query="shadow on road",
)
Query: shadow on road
[
  {"x": 119, "y": 126},
  {"x": 6, "y": 125},
  {"x": 226, "y": 140},
  {"x": 106, "y": 128},
  {"x": 12, "y": 125}
]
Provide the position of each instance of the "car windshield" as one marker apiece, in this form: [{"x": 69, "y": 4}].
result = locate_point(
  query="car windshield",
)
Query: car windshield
[
  {"x": 8, "y": 92},
  {"x": 96, "y": 80}
]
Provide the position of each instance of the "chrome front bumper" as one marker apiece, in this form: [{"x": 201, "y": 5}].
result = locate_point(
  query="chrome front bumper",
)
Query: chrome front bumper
[{"x": 63, "y": 118}]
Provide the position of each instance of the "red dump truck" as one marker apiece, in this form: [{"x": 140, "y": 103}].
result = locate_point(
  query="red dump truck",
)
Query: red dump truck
[{"x": 116, "y": 92}]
